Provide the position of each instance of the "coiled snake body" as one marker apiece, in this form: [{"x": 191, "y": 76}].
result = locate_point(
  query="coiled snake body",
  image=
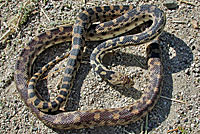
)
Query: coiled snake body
[{"x": 131, "y": 18}]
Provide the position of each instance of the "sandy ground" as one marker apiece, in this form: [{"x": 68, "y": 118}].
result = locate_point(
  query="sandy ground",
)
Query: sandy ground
[{"x": 177, "y": 109}]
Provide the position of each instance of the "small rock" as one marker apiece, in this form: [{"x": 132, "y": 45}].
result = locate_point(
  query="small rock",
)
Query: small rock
[
  {"x": 192, "y": 41},
  {"x": 192, "y": 125},
  {"x": 178, "y": 121},
  {"x": 99, "y": 79},
  {"x": 56, "y": 69},
  {"x": 197, "y": 70},
  {"x": 196, "y": 74},
  {"x": 35, "y": 129},
  {"x": 195, "y": 24},
  {"x": 187, "y": 71},
  {"x": 29, "y": 32},
  {"x": 193, "y": 47},
  {"x": 193, "y": 65},
  {"x": 171, "y": 4},
  {"x": 190, "y": 107},
  {"x": 186, "y": 120}
]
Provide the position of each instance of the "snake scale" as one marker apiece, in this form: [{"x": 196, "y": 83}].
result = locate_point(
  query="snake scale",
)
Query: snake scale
[{"x": 123, "y": 16}]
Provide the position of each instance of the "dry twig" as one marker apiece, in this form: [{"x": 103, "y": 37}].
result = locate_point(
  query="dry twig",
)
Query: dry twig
[
  {"x": 45, "y": 14},
  {"x": 173, "y": 99},
  {"x": 186, "y": 2}
]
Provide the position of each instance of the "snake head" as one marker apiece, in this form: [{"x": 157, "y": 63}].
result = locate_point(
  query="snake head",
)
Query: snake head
[{"x": 121, "y": 80}]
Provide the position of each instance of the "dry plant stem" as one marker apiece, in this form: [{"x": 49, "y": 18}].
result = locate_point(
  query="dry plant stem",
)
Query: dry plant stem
[
  {"x": 45, "y": 14},
  {"x": 146, "y": 124},
  {"x": 172, "y": 99},
  {"x": 2, "y": 5},
  {"x": 172, "y": 130},
  {"x": 179, "y": 22},
  {"x": 5, "y": 35},
  {"x": 186, "y": 2}
]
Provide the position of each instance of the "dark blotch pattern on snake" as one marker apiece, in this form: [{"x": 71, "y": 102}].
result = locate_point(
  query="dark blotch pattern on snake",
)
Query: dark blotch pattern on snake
[{"x": 130, "y": 18}]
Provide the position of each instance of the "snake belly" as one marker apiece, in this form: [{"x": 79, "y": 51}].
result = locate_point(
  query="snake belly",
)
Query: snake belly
[{"x": 97, "y": 117}]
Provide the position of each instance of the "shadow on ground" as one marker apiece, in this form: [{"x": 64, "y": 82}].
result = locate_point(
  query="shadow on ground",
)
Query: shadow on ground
[{"x": 172, "y": 64}]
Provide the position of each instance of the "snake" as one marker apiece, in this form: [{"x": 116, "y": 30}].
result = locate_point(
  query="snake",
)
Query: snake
[{"x": 124, "y": 18}]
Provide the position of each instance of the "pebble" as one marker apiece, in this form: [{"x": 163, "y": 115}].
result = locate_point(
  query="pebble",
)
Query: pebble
[
  {"x": 186, "y": 120},
  {"x": 192, "y": 125},
  {"x": 193, "y": 47},
  {"x": 34, "y": 129},
  {"x": 171, "y": 4},
  {"x": 187, "y": 71},
  {"x": 197, "y": 70},
  {"x": 192, "y": 41},
  {"x": 195, "y": 24}
]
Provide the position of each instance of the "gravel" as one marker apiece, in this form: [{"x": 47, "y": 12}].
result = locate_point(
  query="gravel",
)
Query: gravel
[{"x": 181, "y": 58}]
